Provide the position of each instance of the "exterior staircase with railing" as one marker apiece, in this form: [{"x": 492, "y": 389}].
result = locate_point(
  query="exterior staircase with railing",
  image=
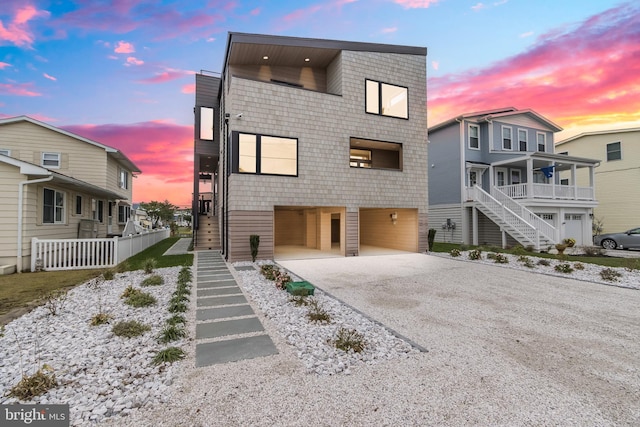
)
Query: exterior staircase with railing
[{"x": 522, "y": 224}]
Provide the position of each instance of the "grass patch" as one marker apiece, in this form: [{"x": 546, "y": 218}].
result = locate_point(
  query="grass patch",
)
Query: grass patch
[
  {"x": 34, "y": 385},
  {"x": 349, "y": 339},
  {"x": 156, "y": 252},
  {"x": 171, "y": 333},
  {"x": 130, "y": 329},
  {"x": 20, "y": 290},
  {"x": 154, "y": 280},
  {"x": 168, "y": 355}
]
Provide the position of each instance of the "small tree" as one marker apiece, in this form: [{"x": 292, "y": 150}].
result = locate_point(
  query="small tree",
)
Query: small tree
[
  {"x": 159, "y": 211},
  {"x": 431, "y": 238},
  {"x": 254, "y": 242}
]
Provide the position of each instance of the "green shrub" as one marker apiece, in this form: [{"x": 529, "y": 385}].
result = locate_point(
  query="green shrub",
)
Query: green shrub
[
  {"x": 254, "y": 242},
  {"x": 177, "y": 307},
  {"x": 317, "y": 313},
  {"x": 108, "y": 274},
  {"x": 178, "y": 299},
  {"x": 518, "y": 250},
  {"x": 431, "y": 236},
  {"x": 475, "y": 254},
  {"x": 544, "y": 262},
  {"x": 154, "y": 280},
  {"x": 149, "y": 265},
  {"x": 349, "y": 339},
  {"x": 578, "y": 266},
  {"x": 564, "y": 267},
  {"x": 168, "y": 355},
  {"x": 176, "y": 319},
  {"x": 129, "y": 290},
  {"x": 129, "y": 329},
  {"x": 501, "y": 259},
  {"x": 171, "y": 333},
  {"x": 526, "y": 261},
  {"x": 35, "y": 385},
  {"x": 454, "y": 252},
  {"x": 269, "y": 271},
  {"x": 100, "y": 319},
  {"x": 140, "y": 299},
  {"x": 492, "y": 255},
  {"x": 610, "y": 275}
]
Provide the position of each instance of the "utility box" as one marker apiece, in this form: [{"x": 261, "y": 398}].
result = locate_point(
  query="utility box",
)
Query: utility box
[{"x": 300, "y": 288}]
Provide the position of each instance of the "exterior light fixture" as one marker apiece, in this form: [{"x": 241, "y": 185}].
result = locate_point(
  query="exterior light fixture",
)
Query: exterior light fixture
[
  {"x": 307, "y": 59},
  {"x": 394, "y": 217},
  {"x": 265, "y": 57}
]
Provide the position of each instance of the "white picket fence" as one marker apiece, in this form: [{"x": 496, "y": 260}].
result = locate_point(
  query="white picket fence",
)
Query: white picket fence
[{"x": 74, "y": 254}]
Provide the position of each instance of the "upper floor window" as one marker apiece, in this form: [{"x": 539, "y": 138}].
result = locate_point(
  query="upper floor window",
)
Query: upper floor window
[
  {"x": 614, "y": 151},
  {"x": 542, "y": 141},
  {"x": 206, "y": 123},
  {"x": 52, "y": 207},
  {"x": 51, "y": 160},
  {"x": 5, "y": 152},
  {"x": 267, "y": 155},
  {"x": 123, "y": 180},
  {"x": 386, "y": 99},
  {"x": 522, "y": 140},
  {"x": 506, "y": 138},
  {"x": 370, "y": 154},
  {"x": 474, "y": 137}
]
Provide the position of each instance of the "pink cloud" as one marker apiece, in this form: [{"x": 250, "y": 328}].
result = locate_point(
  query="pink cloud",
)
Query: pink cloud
[
  {"x": 190, "y": 88},
  {"x": 162, "y": 150},
  {"x": 134, "y": 61},
  {"x": 17, "y": 31},
  {"x": 572, "y": 76},
  {"x": 23, "y": 89},
  {"x": 389, "y": 30},
  {"x": 416, "y": 4},
  {"x": 4, "y": 65},
  {"x": 166, "y": 76},
  {"x": 47, "y": 76},
  {"x": 124, "y": 47}
]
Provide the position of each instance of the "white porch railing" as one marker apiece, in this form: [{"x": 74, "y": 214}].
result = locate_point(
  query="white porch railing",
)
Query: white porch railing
[
  {"x": 76, "y": 254},
  {"x": 547, "y": 230},
  {"x": 548, "y": 191}
]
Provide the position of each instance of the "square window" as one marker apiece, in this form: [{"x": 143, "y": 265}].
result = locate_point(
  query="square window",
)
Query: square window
[
  {"x": 386, "y": 99},
  {"x": 268, "y": 155},
  {"x": 614, "y": 151}
]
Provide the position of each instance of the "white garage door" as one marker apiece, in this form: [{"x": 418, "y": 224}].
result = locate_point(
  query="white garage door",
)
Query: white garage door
[{"x": 573, "y": 227}]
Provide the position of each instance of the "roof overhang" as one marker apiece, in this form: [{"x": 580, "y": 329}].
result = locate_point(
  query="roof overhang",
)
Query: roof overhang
[{"x": 562, "y": 161}]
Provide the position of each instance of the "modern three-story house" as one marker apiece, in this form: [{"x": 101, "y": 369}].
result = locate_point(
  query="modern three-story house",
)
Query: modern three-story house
[
  {"x": 317, "y": 146},
  {"x": 495, "y": 179}
]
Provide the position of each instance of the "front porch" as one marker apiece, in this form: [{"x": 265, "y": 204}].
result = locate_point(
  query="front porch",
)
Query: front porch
[{"x": 530, "y": 190}]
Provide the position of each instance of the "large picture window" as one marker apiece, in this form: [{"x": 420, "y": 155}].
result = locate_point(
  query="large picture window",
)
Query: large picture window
[
  {"x": 53, "y": 207},
  {"x": 386, "y": 99},
  {"x": 371, "y": 154},
  {"x": 266, "y": 155}
]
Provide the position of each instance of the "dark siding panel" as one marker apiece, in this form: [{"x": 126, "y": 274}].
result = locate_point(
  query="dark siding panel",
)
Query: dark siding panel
[
  {"x": 352, "y": 234},
  {"x": 423, "y": 231},
  {"x": 243, "y": 224}
]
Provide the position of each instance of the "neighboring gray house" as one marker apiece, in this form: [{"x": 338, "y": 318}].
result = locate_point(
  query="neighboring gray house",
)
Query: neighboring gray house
[
  {"x": 494, "y": 179},
  {"x": 317, "y": 145}
]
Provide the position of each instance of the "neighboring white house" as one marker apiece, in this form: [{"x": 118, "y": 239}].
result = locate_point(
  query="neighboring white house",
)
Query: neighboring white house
[
  {"x": 57, "y": 185},
  {"x": 617, "y": 178}
]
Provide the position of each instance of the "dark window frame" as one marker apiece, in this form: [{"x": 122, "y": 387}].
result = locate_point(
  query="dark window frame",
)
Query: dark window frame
[
  {"x": 235, "y": 154},
  {"x": 379, "y": 101},
  {"x": 477, "y": 138},
  {"x": 78, "y": 204},
  {"x": 50, "y": 209}
]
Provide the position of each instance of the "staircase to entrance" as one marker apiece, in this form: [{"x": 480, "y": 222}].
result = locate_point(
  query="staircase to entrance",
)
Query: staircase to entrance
[
  {"x": 512, "y": 217},
  {"x": 207, "y": 234}
]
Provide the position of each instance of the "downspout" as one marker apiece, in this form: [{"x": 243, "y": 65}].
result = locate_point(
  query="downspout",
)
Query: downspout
[{"x": 20, "y": 221}]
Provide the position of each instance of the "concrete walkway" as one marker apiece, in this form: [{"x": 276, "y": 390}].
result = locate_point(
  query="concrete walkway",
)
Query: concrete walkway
[
  {"x": 227, "y": 328},
  {"x": 180, "y": 247}
]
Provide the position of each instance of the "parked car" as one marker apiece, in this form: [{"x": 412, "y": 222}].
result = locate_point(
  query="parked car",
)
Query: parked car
[{"x": 630, "y": 239}]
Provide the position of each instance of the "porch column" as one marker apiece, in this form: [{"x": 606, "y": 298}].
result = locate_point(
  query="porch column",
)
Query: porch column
[
  {"x": 592, "y": 181},
  {"x": 553, "y": 180},
  {"x": 474, "y": 228},
  {"x": 529, "y": 194},
  {"x": 490, "y": 179},
  {"x": 573, "y": 181}
]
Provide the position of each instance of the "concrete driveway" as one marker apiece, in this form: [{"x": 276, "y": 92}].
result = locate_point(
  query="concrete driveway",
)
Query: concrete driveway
[{"x": 555, "y": 349}]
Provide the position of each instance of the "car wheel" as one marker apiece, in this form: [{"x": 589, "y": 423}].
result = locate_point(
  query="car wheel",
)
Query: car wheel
[{"x": 609, "y": 244}]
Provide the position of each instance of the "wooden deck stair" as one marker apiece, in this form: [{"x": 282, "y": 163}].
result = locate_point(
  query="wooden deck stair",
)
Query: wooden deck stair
[{"x": 208, "y": 234}]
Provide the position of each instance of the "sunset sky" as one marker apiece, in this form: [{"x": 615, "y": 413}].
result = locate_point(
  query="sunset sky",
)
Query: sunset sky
[{"x": 122, "y": 72}]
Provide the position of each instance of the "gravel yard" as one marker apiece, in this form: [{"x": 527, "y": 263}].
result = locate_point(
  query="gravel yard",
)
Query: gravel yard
[{"x": 505, "y": 347}]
